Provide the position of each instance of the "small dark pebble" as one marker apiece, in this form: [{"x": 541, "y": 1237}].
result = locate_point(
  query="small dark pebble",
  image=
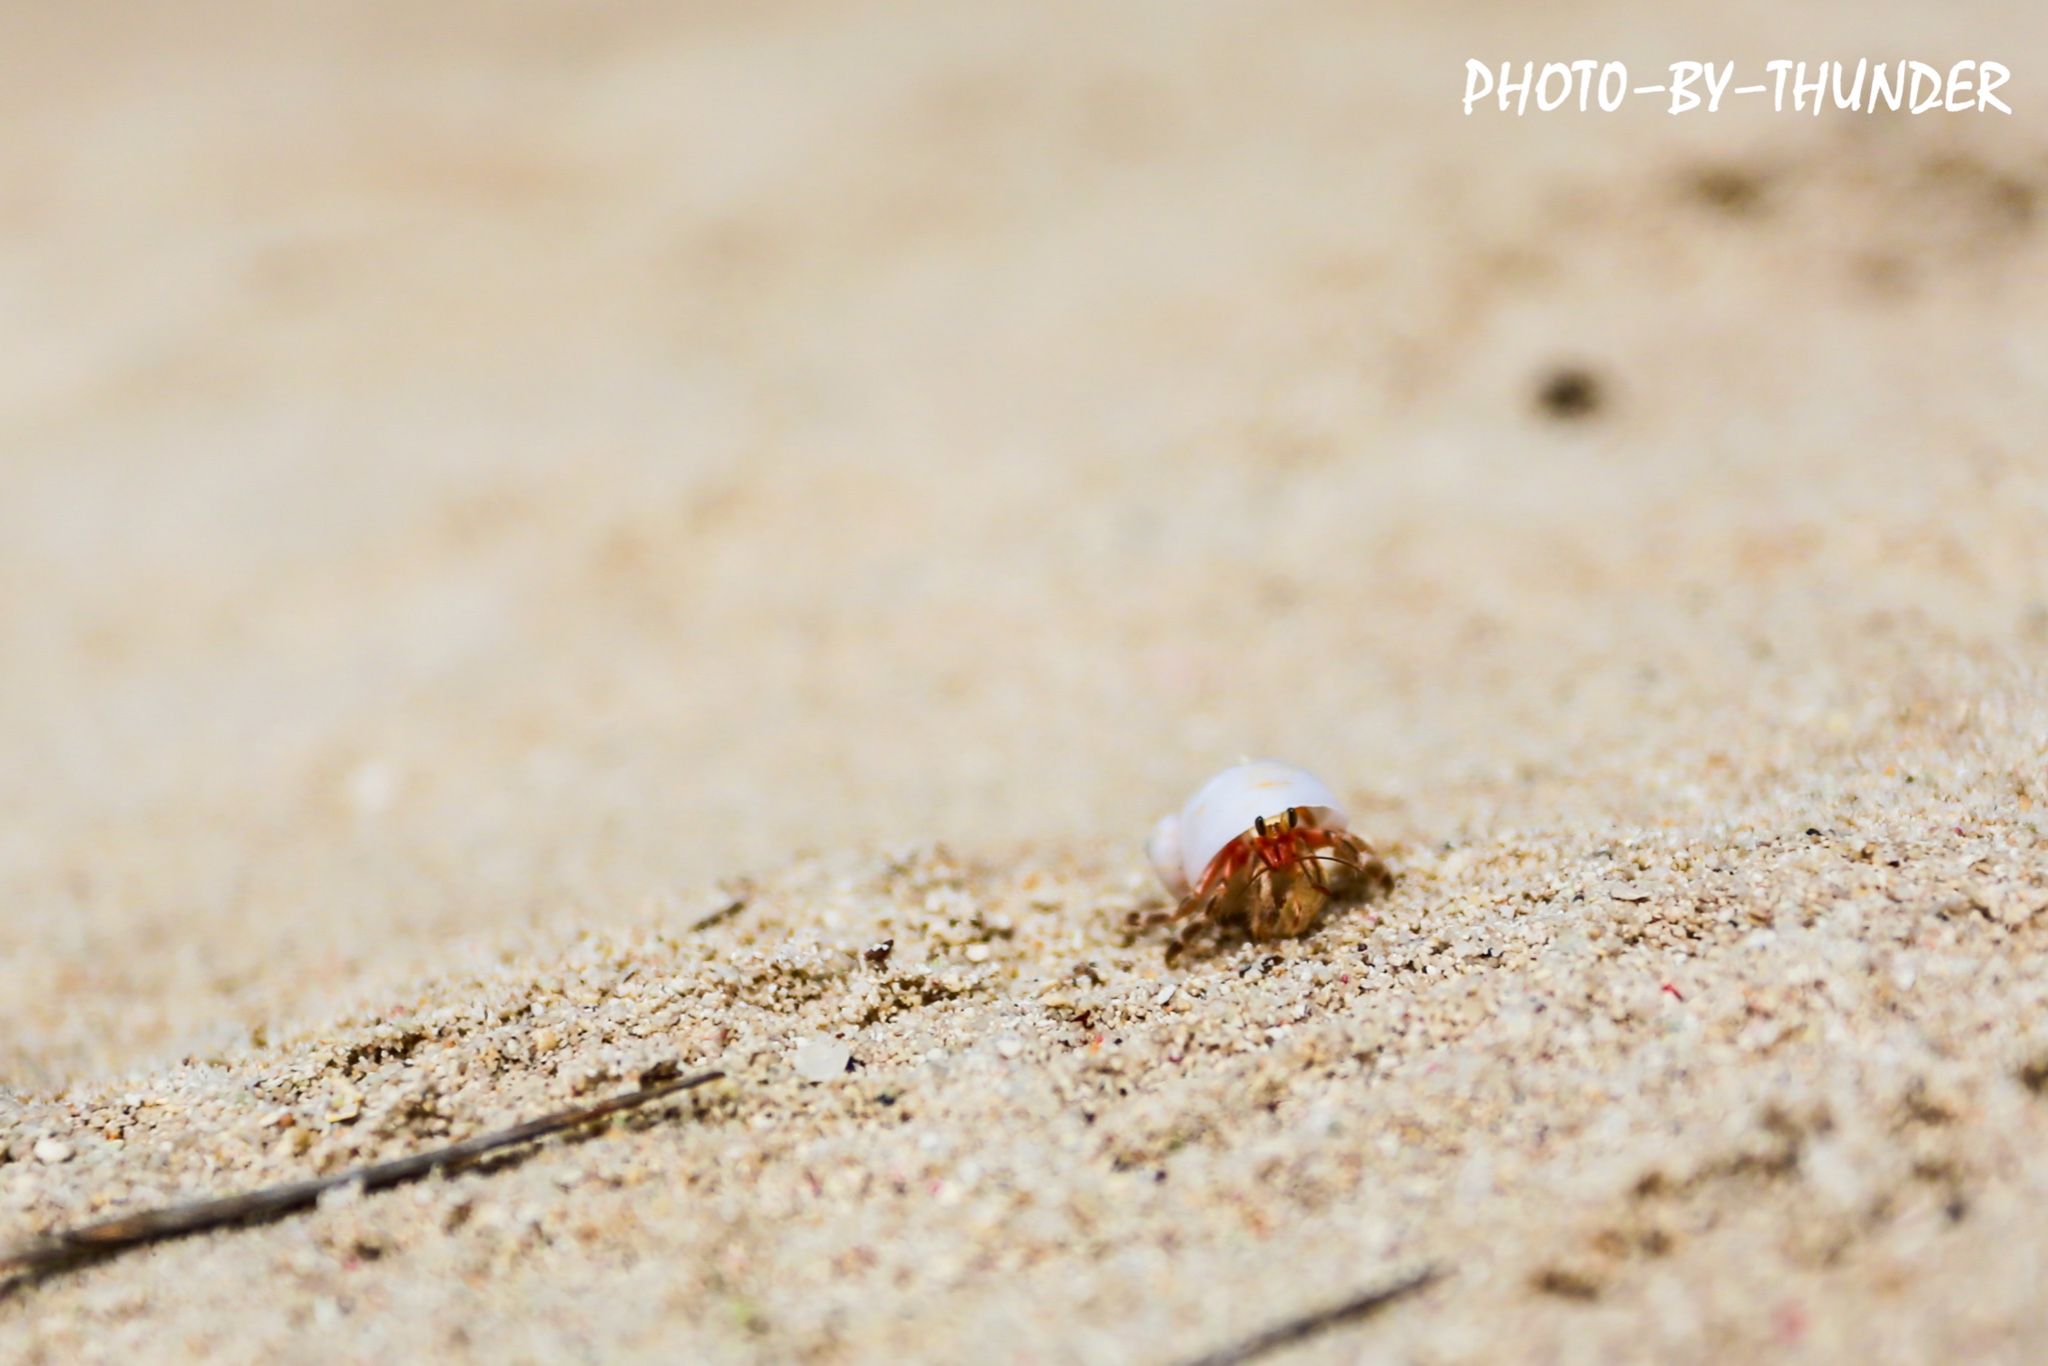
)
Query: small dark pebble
[
  {"x": 1570, "y": 394},
  {"x": 1733, "y": 192},
  {"x": 1565, "y": 1284},
  {"x": 667, "y": 1070}
]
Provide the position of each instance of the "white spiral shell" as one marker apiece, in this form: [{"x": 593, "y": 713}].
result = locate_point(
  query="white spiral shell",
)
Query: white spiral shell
[{"x": 1225, "y": 807}]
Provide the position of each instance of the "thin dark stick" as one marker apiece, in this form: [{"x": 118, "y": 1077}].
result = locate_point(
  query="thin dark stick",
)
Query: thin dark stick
[
  {"x": 1308, "y": 1325},
  {"x": 94, "y": 1241},
  {"x": 719, "y": 916}
]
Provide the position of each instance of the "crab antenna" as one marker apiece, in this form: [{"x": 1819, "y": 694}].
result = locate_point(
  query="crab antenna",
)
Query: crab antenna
[{"x": 1340, "y": 861}]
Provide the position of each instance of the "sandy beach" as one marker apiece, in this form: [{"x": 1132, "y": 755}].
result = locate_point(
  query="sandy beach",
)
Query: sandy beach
[{"x": 536, "y": 539}]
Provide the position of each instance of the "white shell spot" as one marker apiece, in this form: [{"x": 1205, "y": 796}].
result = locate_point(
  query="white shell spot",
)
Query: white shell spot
[
  {"x": 822, "y": 1060},
  {"x": 1164, "y": 851},
  {"x": 51, "y": 1151},
  {"x": 373, "y": 787},
  {"x": 1226, "y": 806}
]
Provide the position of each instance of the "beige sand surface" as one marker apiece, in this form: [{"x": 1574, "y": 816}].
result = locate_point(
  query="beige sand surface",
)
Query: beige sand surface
[{"x": 483, "y": 486}]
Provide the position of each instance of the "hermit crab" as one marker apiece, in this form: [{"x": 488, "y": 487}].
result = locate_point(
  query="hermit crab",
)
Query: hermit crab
[{"x": 1263, "y": 844}]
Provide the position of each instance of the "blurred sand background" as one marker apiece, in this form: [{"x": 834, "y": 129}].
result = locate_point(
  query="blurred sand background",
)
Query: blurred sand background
[{"x": 481, "y": 485}]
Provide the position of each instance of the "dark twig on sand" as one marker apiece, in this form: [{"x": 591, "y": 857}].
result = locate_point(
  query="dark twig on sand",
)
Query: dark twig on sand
[
  {"x": 719, "y": 916},
  {"x": 1308, "y": 1325},
  {"x": 91, "y": 1242}
]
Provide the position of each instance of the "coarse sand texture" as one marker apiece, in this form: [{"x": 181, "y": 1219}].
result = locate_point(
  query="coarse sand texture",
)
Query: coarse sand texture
[{"x": 546, "y": 543}]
